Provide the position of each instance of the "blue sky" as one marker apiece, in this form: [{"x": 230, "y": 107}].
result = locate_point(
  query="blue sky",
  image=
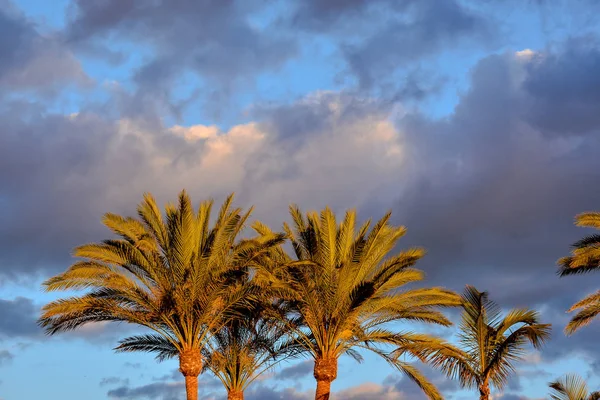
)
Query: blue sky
[{"x": 474, "y": 121}]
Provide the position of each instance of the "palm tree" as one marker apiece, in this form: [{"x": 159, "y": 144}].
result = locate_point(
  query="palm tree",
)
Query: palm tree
[
  {"x": 239, "y": 351},
  {"x": 490, "y": 344},
  {"x": 175, "y": 276},
  {"x": 243, "y": 350},
  {"x": 346, "y": 289},
  {"x": 571, "y": 387},
  {"x": 585, "y": 257}
]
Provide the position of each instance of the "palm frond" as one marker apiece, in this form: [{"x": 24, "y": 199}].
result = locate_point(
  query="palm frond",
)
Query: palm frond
[{"x": 570, "y": 387}]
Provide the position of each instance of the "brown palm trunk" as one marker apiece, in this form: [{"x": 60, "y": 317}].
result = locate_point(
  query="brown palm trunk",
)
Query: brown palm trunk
[
  {"x": 235, "y": 395},
  {"x": 190, "y": 365},
  {"x": 323, "y": 390},
  {"x": 484, "y": 391},
  {"x": 325, "y": 372},
  {"x": 191, "y": 387}
]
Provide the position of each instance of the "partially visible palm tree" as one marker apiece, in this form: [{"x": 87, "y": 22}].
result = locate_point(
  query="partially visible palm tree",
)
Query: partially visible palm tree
[
  {"x": 243, "y": 350},
  {"x": 585, "y": 257},
  {"x": 491, "y": 345},
  {"x": 571, "y": 387},
  {"x": 175, "y": 276},
  {"x": 346, "y": 288},
  {"x": 238, "y": 352}
]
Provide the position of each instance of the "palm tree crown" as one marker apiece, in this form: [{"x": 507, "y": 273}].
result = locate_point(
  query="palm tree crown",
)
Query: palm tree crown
[
  {"x": 346, "y": 289},
  {"x": 585, "y": 257},
  {"x": 490, "y": 344},
  {"x": 571, "y": 387},
  {"x": 175, "y": 276}
]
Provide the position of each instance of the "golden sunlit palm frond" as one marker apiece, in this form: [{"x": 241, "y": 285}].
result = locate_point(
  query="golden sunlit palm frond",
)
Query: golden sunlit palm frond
[
  {"x": 587, "y": 310},
  {"x": 585, "y": 257},
  {"x": 571, "y": 387},
  {"x": 585, "y": 254}
]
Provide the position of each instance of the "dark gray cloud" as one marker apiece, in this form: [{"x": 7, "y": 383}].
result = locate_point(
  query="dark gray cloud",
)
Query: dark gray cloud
[
  {"x": 211, "y": 39},
  {"x": 17, "y": 318},
  {"x": 492, "y": 194},
  {"x": 383, "y": 41},
  {"x": 422, "y": 29},
  {"x": 376, "y": 39},
  {"x": 483, "y": 176},
  {"x": 570, "y": 104},
  {"x": 325, "y": 16},
  {"x": 107, "y": 164},
  {"x": 30, "y": 60},
  {"x": 30, "y": 145},
  {"x": 18, "y": 322},
  {"x": 296, "y": 371},
  {"x": 174, "y": 375}
]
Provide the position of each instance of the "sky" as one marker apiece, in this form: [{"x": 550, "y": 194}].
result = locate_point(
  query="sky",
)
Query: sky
[{"x": 475, "y": 121}]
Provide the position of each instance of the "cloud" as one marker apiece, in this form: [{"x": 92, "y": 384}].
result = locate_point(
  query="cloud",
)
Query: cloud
[
  {"x": 221, "y": 58},
  {"x": 420, "y": 29},
  {"x": 296, "y": 371},
  {"x": 17, "y": 318},
  {"x": 168, "y": 389},
  {"x": 261, "y": 392},
  {"x": 488, "y": 191},
  {"x": 113, "y": 380},
  {"x": 492, "y": 194},
  {"x": 512, "y": 396},
  {"x": 97, "y": 174},
  {"x": 162, "y": 390},
  {"x": 564, "y": 89},
  {"x": 5, "y": 357},
  {"x": 373, "y": 40},
  {"x": 31, "y": 60},
  {"x": 485, "y": 179},
  {"x": 18, "y": 321}
]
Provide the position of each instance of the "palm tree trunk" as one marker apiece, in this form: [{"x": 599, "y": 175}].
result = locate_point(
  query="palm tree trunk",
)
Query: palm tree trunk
[
  {"x": 235, "y": 395},
  {"x": 323, "y": 390},
  {"x": 191, "y": 387},
  {"x": 190, "y": 365},
  {"x": 484, "y": 391},
  {"x": 325, "y": 372}
]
